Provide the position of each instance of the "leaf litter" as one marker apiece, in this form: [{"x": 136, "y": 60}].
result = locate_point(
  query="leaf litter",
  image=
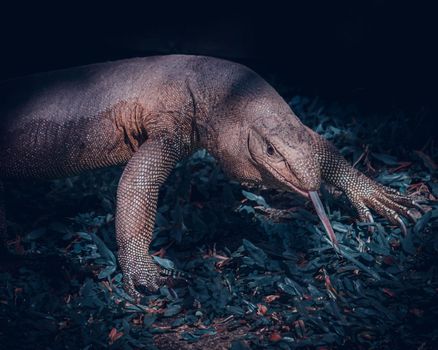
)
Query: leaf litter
[{"x": 263, "y": 274}]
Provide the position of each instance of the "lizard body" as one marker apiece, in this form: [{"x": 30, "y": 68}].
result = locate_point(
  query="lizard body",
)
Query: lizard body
[{"x": 149, "y": 113}]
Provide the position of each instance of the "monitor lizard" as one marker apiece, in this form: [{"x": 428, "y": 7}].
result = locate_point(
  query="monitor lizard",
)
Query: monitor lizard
[{"x": 148, "y": 114}]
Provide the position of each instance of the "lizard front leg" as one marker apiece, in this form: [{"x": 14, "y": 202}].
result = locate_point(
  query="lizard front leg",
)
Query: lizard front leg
[
  {"x": 364, "y": 193},
  {"x": 137, "y": 197}
]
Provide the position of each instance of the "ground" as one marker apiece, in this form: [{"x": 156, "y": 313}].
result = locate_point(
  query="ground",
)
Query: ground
[{"x": 263, "y": 274}]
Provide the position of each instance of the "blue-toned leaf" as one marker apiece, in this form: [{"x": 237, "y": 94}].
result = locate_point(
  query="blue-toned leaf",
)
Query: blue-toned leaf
[
  {"x": 166, "y": 263},
  {"x": 256, "y": 198}
]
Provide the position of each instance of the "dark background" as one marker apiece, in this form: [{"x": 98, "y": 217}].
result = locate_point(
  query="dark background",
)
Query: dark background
[
  {"x": 378, "y": 55},
  {"x": 375, "y": 55}
]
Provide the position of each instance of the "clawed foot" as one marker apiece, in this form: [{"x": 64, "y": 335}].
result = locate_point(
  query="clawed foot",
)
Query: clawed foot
[
  {"x": 142, "y": 275},
  {"x": 368, "y": 195},
  {"x": 137, "y": 285}
]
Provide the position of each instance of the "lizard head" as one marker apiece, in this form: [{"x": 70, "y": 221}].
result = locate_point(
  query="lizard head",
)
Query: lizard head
[
  {"x": 269, "y": 147},
  {"x": 281, "y": 150},
  {"x": 256, "y": 136},
  {"x": 283, "y": 154}
]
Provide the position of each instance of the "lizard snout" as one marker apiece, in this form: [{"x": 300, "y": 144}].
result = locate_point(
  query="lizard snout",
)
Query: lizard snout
[{"x": 305, "y": 175}]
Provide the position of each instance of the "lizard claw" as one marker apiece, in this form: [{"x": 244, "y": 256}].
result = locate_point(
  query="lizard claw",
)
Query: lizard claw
[
  {"x": 141, "y": 275},
  {"x": 129, "y": 286},
  {"x": 364, "y": 214},
  {"x": 411, "y": 216},
  {"x": 385, "y": 201},
  {"x": 402, "y": 225},
  {"x": 364, "y": 193},
  {"x": 370, "y": 219},
  {"x": 138, "y": 286},
  {"x": 416, "y": 204}
]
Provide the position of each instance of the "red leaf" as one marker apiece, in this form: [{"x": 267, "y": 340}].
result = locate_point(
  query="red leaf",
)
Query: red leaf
[
  {"x": 389, "y": 292},
  {"x": 114, "y": 335},
  {"x": 271, "y": 298},
  {"x": 275, "y": 337},
  {"x": 261, "y": 309}
]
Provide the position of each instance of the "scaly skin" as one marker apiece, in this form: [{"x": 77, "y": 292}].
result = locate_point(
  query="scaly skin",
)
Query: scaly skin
[
  {"x": 364, "y": 193},
  {"x": 148, "y": 114}
]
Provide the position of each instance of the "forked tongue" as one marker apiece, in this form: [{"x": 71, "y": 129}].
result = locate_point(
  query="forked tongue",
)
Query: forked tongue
[{"x": 323, "y": 217}]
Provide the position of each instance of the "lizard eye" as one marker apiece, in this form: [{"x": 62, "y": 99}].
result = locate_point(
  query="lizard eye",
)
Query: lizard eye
[{"x": 270, "y": 149}]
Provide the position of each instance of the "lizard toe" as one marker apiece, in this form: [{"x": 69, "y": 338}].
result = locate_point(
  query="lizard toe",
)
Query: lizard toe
[
  {"x": 388, "y": 211},
  {"x": 387, "y": 202},
  {"x": 129, "y": 286},
  {"x": 151, "y": 280},
  {"x": 405, "y": 200},
  {"x": 403, "y": 204},
  {"x": 403, "y": 210},
  {"x": 364, "y": 214},
  {"x": 141, "y": 276},
  {"x": 417, "y": 204}
]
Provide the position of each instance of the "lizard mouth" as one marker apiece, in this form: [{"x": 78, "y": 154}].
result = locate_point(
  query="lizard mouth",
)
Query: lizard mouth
[
  {"x": 290, "y": 184},
  {"x": 299, "y": 190}
]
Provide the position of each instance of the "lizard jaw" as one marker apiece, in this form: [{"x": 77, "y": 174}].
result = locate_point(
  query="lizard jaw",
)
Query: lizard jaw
[{"x": 299, "y": 190}]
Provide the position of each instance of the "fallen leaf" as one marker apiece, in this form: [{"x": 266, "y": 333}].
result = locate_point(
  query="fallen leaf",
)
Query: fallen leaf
[
  {"x": 114, "y": 335},
  {"x": 275, "y": 337}
]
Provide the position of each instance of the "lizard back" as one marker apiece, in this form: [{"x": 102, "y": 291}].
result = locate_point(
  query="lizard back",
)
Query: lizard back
[{"x": 67, "y": 121}]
